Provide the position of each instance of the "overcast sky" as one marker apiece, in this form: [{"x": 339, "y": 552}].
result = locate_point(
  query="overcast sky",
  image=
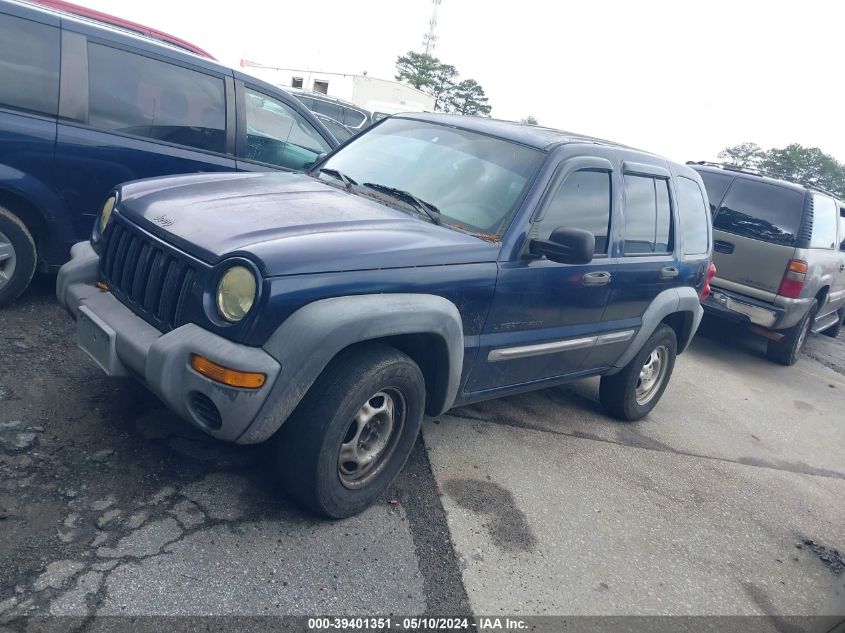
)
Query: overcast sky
[{"x": 683, "y": 79}]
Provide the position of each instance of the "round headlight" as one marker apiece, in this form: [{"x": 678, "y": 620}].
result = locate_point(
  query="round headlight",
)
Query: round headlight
[
  {"x": 235, "y": 293},
  {"x": 105, "y": 214}
]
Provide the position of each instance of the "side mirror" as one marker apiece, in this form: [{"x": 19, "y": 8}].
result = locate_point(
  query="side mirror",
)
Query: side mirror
[
  {"x": 566, "y": 246},
  {"x": 317, "y": 160}
]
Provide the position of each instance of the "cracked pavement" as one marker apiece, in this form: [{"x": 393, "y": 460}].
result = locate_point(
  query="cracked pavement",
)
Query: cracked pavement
[
  {"x": 111, "y": 505},
  {"x": 726, "y": 500}
]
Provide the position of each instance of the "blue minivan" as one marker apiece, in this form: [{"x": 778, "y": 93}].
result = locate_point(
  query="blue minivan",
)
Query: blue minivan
[{"x": 85, "y": 106}]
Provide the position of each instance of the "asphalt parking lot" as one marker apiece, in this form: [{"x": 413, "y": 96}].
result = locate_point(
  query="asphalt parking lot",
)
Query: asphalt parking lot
[{"x": 728, "y": 499}]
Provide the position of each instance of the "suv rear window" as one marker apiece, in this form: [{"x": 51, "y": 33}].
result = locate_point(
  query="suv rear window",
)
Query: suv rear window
[
  {"x": 694, "y": 223},
  {"x": 761, "y": 211},
  {"x": 133, "y": 94},
  {"x": 29, "y": 65},
  {"x": 716, "y": 186}
]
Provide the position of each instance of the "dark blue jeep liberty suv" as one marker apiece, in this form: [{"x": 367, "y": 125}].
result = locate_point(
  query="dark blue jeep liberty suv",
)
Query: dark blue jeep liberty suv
[{"x": 431, "y": 262}]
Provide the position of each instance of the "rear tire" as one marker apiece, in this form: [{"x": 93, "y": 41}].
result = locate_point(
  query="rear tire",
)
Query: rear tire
[
  {"x": 787, "y": 350},
  {"x": 353, "y": 431},
  {"x": 18, "y": 257},
  {"x": 633, "y": 392},
  {"x": 834, "y": 330}
]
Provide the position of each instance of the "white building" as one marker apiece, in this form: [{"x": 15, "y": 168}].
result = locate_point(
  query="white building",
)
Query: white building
[{"x": 381, "y": 96}]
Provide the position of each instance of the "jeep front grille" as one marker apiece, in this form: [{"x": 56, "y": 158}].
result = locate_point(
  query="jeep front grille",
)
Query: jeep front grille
[{"x": 150, "y": 280}]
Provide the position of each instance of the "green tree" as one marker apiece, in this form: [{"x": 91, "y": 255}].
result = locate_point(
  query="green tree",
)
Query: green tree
[
  {"x": 794, "y": 162},
  {"x": 806, "y": 164},
  {"x": 468, "y": 98},
  {"x": 418, "y": 70},
  {"x": 530, "y": 120},
  {"x": 743, "y": 155},
  {"x": 444, "y": 86}
]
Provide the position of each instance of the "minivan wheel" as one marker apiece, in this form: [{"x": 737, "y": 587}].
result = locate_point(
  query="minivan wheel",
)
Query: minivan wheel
[
  {"x": 353, "y": 431},
  {"x": 17, "y": 257},
  {"x": 633, "y": 392},
  {"x": 786, "y": 350}
]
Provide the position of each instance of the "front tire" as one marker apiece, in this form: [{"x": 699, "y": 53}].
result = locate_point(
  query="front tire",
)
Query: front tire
[
  {"x": 353, "y": 431},
  {"x": 17, "y": 257},
  {"x": 787, "y": 350},
  {"x": 633, "y": 392}
]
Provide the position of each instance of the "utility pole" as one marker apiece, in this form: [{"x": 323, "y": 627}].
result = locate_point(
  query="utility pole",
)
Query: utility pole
[{"x": 430, "y": 38}]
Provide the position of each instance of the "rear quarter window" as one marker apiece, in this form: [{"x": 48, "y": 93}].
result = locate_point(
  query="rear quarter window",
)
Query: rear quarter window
[
  {"x": 761, "y": 211},
  {"x": 695, "y": 225},
  {"x": 824, "y": 222}
]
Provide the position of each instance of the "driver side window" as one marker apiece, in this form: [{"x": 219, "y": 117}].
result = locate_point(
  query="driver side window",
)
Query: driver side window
[
  {"x": 278, "y": 135},
  {"x": 581, "y": 202}
]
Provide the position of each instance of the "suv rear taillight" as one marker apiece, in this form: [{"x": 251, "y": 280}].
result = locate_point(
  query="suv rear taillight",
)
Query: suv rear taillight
[
  {"x": 711, "y": 272},
  {"x": 793, "y": 279}
]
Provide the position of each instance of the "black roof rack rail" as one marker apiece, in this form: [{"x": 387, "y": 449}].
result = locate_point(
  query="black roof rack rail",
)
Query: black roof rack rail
[{"x": 752, "y": 171}]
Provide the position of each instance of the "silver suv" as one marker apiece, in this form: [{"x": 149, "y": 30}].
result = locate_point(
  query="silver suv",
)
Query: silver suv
[{"x": 779, "y": 250}]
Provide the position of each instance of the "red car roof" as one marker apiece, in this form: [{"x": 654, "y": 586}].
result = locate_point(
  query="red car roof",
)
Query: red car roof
[{"x": 75, "y": 9}]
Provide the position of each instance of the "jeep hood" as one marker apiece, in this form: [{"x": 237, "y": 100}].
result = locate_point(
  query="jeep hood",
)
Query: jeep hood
[{"x": 290, "y": 224}]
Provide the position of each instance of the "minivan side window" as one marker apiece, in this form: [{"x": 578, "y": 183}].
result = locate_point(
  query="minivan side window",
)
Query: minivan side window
[
  {"x": 137, "y": 95},
  {"x": 581, "y": 202},
  {"x": 695, "y": 224},
  {"x": 761, "y": 211},
  {"x": 824, "y": 222},
  {"x": 29, "y": 65},
  {"x": 331, "y": 110},
  {"x": 648, "y": 215},
  {"x": 277, "y": 134}
]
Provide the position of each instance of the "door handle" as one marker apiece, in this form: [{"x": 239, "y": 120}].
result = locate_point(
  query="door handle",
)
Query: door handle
[
  {"x": 670, "y": 272},
  {"x": 842, "y": 267},
  {"x": 599, "y": 278}
]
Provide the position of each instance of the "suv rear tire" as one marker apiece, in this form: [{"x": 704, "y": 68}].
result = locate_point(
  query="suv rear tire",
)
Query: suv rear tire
[
  {"x": 787, "y": 350},
  {"x": 18, "y": 257},
  {"x": 634, "y": 391},
  {"x": 353, "y": 431}
]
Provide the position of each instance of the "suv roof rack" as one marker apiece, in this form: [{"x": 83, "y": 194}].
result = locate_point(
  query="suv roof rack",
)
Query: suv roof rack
[{"x": 752, "y": 171}]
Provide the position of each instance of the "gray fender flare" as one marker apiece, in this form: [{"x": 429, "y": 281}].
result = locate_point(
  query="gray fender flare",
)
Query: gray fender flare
[
  {"x": 683, "y": 300},
  {"x": 313, "y": 335}
]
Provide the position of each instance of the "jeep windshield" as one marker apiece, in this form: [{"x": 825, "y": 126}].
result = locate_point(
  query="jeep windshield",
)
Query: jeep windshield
[{"x": 474, "y": 180}]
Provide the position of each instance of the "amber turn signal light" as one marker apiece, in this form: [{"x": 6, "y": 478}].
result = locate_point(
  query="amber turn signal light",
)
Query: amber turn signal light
[{"x": 231, "y": 377}]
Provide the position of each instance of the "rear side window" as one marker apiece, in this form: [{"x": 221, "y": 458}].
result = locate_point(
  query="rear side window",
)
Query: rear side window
[
  {"x": 133, "y": 94},
  {"x": 824, "y": 222},
  {"x": 331, "y": 110},
  {"x": 716, "y": 186},
  {"x": 693, "y": 216},
  {"x": 29, "y": 65},
  {"x": 581, "y": 202},
  {"x": 761, "y": 211},
  {"x": 353, "y": 118},
  {"x": 648, "y": 215}
]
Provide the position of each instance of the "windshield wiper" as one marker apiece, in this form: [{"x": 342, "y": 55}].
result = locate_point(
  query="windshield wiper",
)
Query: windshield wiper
[
  {"x": 422, "y": 207},
  {"x": 346, "y": 180}
]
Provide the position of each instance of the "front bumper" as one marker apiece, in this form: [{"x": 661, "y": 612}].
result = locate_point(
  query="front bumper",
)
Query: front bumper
[{"x": 123, "y": 344}]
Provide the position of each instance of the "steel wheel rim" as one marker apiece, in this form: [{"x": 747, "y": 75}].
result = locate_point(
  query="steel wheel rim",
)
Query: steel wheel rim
[
  {"x": 652, "y": 374},
  {"x": 8, "y": 260},
  {"x": 371, "y": 438}
]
